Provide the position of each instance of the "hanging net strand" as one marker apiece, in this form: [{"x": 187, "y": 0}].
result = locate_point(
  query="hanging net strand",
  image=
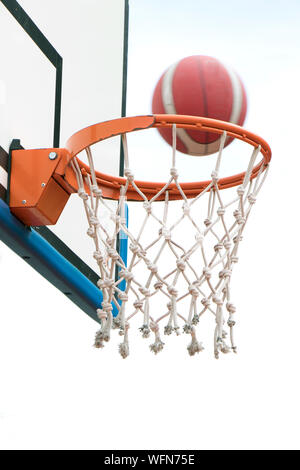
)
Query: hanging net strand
[{"x": 172, "y": 296}]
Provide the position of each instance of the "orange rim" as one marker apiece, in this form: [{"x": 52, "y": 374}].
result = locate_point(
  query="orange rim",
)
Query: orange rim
[{"x": 110, "y": 184}]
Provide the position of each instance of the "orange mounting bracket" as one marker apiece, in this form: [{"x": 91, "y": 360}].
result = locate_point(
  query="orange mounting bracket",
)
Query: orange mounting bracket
[{"x": 36, "y": 198}]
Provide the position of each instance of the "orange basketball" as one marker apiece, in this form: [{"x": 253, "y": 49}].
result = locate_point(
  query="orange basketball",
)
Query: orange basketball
[{"x": 199, "y": 86}]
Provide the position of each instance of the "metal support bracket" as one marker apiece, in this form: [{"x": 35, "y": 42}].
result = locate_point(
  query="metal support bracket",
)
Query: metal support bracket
[{"x": 36, "y": 198}]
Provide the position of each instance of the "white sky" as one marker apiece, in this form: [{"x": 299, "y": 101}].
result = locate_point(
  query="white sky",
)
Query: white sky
[{"x": 58, "y": 392}]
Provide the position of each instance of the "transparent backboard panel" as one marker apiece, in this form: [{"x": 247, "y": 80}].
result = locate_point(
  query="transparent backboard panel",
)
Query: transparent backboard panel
[{"x": 89, "y": 37}]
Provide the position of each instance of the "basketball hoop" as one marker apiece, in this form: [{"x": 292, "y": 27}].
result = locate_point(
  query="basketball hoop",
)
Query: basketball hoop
[
  {"x": 165, "y": 282},
  {"x": 110, "y": 184}
]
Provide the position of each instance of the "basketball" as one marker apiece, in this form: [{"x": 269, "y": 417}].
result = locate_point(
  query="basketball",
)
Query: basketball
[{"x": 200, "y": 86}]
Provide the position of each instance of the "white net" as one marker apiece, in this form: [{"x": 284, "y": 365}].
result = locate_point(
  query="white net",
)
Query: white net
[{"x": 181, "y": 256}]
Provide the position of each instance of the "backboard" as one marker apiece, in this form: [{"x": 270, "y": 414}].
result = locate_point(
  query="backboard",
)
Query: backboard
[{"x": 63, "y": 67}]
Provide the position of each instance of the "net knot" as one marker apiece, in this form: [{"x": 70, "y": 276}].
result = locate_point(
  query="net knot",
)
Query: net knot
[
  {"x": 122, "y": 296},
  {"x": 145, "y": 330},
  {"x": 238, "y": 216},
  {"x": 113, "y": 254},
  {"x": 116, "y": 322},
  {"x": 227, "y": 244},
  {"x": 82, "y": 194},
  {"x": 207, "y": 273},
  {"x": 97, "y": 255},
  {"x": 217, "y": 300},
  {"x": 220, "y": 211},
  {"x": 141, "y": 254},
  {"x": 168, "y": 329},
  {"x": 230, "y": 307},
  {"x": 129, "y": 175},
  {"x": 144, "y": 291},
  {"x": 100, "y": 337},
  {"x": 251, "y": 199},
  {"x": 138, "y": 304},
  {"x": 207, "y": 222},
  {"x": 134, "y": 248},
  {"x": 193, "y": 290},
  {"x": 107, "y": 307},
  {"x": 106, "y": 283},
  {"x": 94, "y": 221},
  {"x": 181, "y": 265},
  {"x": 101, "y": 314},
  {"x": 158, "y": 285},
  {"x": 99, "y": 340},
  {"x": 147, "y": 207},
  {"x": 234, "y": 259},
  {"x": 225, "y": 273},
  {"x": 165, "y": 233},
  {"x": 174, "y": 172},
  {"x": 128, "y": 276},
  {"x": 91, "y": 232},
  {"x": 237, "y": 238},
  {"x": 152, "y": 267},
  {"x": 205, "y": 302},
  {"x": 240, "y": 191},
  {"x": 218, "y": 247},
  {"x": 187, "y": 328},
  {"x": 173, "y": 291},
  {"x": 214, "y": 177},
  {"x": 96, "y": 191}
]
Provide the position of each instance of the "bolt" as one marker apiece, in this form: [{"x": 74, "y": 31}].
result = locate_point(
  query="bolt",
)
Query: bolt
[
  {"x": 52, "y": 155},
  {"x": 24, "y": 201},
  {"x": 43, "y": 185}
]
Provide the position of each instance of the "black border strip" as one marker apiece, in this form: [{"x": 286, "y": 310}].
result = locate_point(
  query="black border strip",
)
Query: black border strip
[
  {"x": 124, "y": 83},
  {"x": 124, "y": 101},
  {"x": 3, "y": 165},
  {"x": 48, "y": 50}
]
